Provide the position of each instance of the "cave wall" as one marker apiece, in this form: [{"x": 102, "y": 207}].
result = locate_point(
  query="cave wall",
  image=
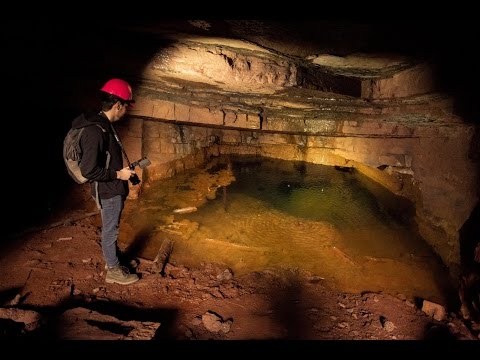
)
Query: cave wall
[
  {"x": 430, "y": 167},
  {"x": 385, "y": 115},
  {"x": 178, "y": 124}
]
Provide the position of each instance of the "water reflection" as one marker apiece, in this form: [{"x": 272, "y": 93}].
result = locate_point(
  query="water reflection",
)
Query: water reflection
[{"x": 253, "y": 213}]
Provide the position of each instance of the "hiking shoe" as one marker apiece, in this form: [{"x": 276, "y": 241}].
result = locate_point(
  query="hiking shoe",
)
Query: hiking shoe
[
  {"x": 132, "y": 264},
  {"x": 120, "y": 275}
]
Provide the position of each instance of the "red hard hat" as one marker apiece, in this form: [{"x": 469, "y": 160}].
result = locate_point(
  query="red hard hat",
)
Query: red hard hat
[{"x": 119, "y": 88}]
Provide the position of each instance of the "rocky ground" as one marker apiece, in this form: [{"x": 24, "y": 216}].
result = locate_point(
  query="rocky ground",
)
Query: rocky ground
[{"x": 52, "y": 287}]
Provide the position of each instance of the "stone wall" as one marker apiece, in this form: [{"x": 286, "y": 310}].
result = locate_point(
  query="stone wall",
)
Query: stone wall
[
  {"x": 430, "y": 166},
  {"x": 383, "y": 114}
]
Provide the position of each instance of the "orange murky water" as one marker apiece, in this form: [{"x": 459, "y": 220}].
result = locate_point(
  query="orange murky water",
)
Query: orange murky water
[{"x": 256, "y": 213}]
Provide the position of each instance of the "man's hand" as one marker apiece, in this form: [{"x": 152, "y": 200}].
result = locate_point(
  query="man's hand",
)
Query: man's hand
[{"x": 125, "y": 173}]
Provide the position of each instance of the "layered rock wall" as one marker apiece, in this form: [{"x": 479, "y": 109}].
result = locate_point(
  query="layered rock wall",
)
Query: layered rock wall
[
  {"x": 200, "y": 97},
  {"x": 429, "y": 166}
]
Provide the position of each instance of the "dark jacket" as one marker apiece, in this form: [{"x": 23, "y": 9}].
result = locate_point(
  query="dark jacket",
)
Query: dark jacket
[{"x": 95, "y": 144}]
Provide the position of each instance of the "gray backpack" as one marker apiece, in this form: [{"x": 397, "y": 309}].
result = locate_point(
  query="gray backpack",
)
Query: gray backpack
[{"x": 72, "y": 153}]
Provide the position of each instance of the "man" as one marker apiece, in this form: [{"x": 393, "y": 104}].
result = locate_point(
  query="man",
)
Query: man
[{"x": 102, "y": 165}]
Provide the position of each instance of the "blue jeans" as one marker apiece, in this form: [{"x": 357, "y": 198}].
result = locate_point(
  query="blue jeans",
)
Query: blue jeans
[{"x": 111, "y": 212}]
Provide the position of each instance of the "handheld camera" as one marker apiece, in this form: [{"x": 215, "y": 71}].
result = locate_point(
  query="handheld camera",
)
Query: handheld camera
[{"x": 142, "y": 163}]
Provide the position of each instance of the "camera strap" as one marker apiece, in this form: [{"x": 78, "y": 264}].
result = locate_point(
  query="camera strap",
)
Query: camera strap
[{"x": 117, "y": 138}]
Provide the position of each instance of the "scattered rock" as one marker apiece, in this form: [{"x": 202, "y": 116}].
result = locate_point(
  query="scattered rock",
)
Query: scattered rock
[
  {"x": 16, "y": 300},
  {"x": 65, "y": 238},
  {"x": 215, "y": 323},
  {"x": 185, "y": 210},
  {"x": 434, "y": 310},
  {"x": 315, "y": 279},
  {"x": 84, "y": 324},
  {"x": 226, "y": 326},
  {"x": 31, "y": 319},
  {"x": 76, "y": 292},
  {"x": 389, "y": 326},
  {"x": 226, "y": 275},
  {"x": 196, "y": 321},
  {"x": 176, "y": 272},
  {"x": 188, "y": 333}
]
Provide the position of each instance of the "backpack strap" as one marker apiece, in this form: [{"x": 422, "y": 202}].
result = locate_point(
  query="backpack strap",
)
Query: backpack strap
[{"x": 97, "y": 197}]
